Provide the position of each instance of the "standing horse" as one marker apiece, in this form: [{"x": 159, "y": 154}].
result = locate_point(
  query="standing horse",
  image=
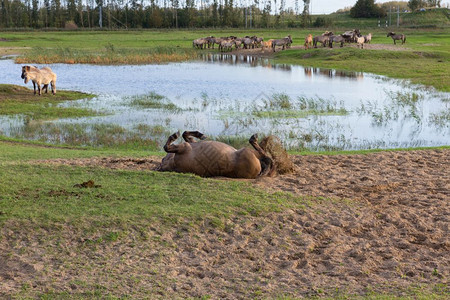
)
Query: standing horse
[
  {"x": 397, "y": 37},
  {"x": 308, "y": 41},
  {"x": 43, "y": 76},
  {"x": 285, "y": 42}
]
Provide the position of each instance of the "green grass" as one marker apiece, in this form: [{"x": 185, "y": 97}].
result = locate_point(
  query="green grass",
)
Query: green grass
[
  {"x": 436, "y": 18},
  {"x": 17, "y": 100},
  {"x": 46, "y": 194},
  {"x": 111, "y": 54},
  {"x": 152, "y": 101}
]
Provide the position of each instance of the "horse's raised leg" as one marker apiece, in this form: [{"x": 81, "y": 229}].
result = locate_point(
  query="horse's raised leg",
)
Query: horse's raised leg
[
  {"x": 267, "y": 164},
  {"x": 181, "y": 148},
  {"x": 188, "y": 136}
]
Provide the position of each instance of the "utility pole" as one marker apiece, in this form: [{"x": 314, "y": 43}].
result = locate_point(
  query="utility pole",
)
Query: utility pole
[
  {"x": 245, "y": 13},
  {"x": 100, "y": 21},
  {"x": 250, "y": 17}
]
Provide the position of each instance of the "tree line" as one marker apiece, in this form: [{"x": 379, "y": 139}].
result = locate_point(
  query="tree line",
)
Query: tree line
[
  {"x": 147, "y": 14},
  {"x": 73, "y": 14}
]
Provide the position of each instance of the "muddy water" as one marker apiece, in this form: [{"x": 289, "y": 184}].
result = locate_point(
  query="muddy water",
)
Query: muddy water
[{"x": 219, "y": 94}]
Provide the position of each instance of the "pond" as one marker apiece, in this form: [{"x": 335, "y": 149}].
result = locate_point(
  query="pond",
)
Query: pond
[{"x": 235, "y": 96}]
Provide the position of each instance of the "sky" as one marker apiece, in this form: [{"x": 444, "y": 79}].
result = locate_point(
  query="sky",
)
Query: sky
[{"x": 329, "y": 6}]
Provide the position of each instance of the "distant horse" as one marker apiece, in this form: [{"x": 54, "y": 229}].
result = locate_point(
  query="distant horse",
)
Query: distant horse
[
  {"x": 43, "y": 76},
  {"x": 367, "y": 38},
  {"x": 360, "y": 42},
  {"x": 308, "y": 41},
  {"x": 397, "y": 37},
  {"x": 285, "y": 42},
  {"x": 336, "y": 39},
  {"x": 266, "y": 44}
]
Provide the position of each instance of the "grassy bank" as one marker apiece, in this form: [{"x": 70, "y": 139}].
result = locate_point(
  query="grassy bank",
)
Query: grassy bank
[
  {"x": 18, "y": 100},
  {"x": 424, "y": 59}
]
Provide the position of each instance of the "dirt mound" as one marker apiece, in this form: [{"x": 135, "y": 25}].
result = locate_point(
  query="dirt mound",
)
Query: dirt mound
[{"x": 273, "y": 146}]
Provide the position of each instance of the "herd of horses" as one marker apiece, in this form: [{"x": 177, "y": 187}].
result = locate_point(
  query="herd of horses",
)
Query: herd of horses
[
  {"x": 227, "y": 43},
  {"x": 212, "y": 158},
  {"x": 328, "y": 38},
  {"x": 352, "y": 36}
]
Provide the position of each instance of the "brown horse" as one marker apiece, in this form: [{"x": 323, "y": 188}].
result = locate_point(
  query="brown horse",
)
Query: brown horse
[
  {"x": 308, "y": 41},
  {"x": 211, "y": 158},
  {"x": 43, "y": 76},
  {"x": 266, "y": 44}
]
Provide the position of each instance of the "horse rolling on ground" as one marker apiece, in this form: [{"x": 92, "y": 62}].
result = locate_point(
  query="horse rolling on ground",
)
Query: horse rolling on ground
[
  {"x": 397, "y": 37},
  {"x": 308, "y": 41},
  {"x": 211, "y": 158},
  {"x": 44, "y": 76}
]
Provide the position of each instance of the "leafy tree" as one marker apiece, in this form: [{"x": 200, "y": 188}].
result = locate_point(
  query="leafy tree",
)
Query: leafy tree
[
  {"x": 415, "y": 4},
  {"x": 366, "y": 9}
]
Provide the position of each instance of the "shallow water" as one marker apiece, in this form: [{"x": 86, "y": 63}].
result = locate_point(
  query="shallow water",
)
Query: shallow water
[{"x": 218, "y": 94}]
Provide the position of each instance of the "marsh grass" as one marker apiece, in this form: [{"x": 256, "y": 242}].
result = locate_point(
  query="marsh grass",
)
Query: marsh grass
[
  {"x": 281, "y": 105},
  {"x": 441, "y": 119},
  {"x": 110, "y": 54},
  {"x": 141, "y": 136},
  {"x": 152, "y": 101},
  {"x": 400, "y": 105}
]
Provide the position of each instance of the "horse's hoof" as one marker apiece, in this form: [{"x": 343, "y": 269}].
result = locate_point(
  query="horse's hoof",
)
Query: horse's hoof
[
  {"x": 176, "y": 135},
  {"x": 254, "y": 138}
]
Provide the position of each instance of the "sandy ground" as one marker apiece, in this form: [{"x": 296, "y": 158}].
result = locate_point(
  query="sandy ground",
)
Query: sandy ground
[{"x": 380, "y": 223}]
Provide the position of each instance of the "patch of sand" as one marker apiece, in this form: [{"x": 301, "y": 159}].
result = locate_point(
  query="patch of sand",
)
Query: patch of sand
[{"x": 380, "y": 223}]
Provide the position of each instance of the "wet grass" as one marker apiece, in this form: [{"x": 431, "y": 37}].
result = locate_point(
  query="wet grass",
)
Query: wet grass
[
  {"x": 18, "y": 100},
  {"x": 152, "y": 101},
  {"x": 140, "y": 136},
  {"x": 281, "y": 106},
  {"x": 405, "y": 105}
]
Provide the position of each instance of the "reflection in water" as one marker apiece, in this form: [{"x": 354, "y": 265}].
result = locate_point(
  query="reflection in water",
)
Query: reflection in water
[
  {"x": 242, "y": 59},
  {"x": 333, "y": 73}
]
